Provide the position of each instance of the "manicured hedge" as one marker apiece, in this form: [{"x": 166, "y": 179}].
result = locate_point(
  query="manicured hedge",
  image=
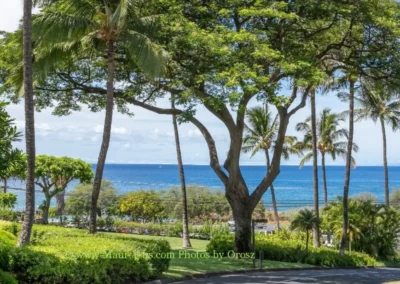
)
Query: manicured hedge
[
  {"x": 59, "y": 255},
  {"x": 293, "y": 250}
]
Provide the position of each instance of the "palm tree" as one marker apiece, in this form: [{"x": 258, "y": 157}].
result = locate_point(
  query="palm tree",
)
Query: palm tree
[
  {"x": 185, "y": 233},
  {"x": 306, "y": 220},
  {"x": 316, "y": 238},
  {"x": 260, "y": 135},
  {"x": 102, "y": 26},
  {"x": 377, "y": 101},
  {"x": 343, "y": 241},
  {"x": 335, "y": 222},
  {"x": 25, "y": 236},
  {"x": 329, "y": 142}
]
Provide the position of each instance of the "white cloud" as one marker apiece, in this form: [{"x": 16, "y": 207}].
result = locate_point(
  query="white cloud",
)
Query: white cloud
[
  {"x": 119, "y": 130},
  {"x": 194, "y": 133},
  {"x": 98, "y": 129}
]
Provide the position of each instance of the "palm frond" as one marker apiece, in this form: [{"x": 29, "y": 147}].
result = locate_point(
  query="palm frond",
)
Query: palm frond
[
  {"x": 305, "y": 159},
  {"x": 150, "y": 57}
]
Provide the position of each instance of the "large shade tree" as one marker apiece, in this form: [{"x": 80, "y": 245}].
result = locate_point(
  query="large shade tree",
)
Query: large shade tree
[{"x": 49, "y": 170}]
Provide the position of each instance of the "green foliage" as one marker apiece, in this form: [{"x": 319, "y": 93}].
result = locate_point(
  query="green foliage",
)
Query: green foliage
[
  {"x": 221, "y": 244},
  {"x": 372, "y": 228},
  {"x": 7, "y": 278},
  {"x": 77, "y": 257},
  {"x": 329, "y": 136},
  {"x": 142, "y": 205},
  {"x": 9, "y": 156},
  {"x": 78, "y": 200},
  {"x": 7, "y": 237},
  {"x": 378, "y": 100},
  {"x": 7, "y": 200},
  {"x": 53, "y": 174},
  {"x": 305, "y": 220},
  {"x": 395, "y": 198},
  {"x": 288, "y": 247},
  {"x": 7, "y": 203},
  {"x": 206, "y": 231},
  {"x": 202, "y": 202},
  {"x": 262, "y": 131}
]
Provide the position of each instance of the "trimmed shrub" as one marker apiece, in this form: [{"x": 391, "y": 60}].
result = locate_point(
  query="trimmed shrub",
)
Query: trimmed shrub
[
  {"x": 293, "y": 250},
  {"x": 221, "y": 244},
  {"x": 75, "y": 256}
]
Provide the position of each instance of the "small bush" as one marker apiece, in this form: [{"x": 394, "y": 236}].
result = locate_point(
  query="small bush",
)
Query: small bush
[{"x": 221, "y": 244}]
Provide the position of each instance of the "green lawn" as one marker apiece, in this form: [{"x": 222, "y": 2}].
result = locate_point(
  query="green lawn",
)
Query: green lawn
[{"x": 181, "y": 266}]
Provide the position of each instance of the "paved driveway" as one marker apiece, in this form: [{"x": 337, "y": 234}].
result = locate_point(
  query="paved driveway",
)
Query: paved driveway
[{"x": 347, "y": 276}]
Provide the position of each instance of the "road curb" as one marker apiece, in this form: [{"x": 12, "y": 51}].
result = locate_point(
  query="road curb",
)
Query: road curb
[{"x": 212, "y": 274}]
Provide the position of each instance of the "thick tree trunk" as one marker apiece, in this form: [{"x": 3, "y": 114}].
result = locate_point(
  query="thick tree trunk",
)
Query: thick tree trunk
[
  {"x": 242, "y": 216},
  {"x": 29, "y": 217},
  {"x": 60, "y": 204},
  {"x": 324, "y": 178},
  {"x": 242, "y": 210},
  {"x": 185, "y": 233},
  {"x": 385, "y": 164},
  {"x": 343, "y": 241},
  {"x": 274, "y": 205},
  {"x": 106, "y": 136},
  {"x": 316, "y": 238},
  {"x": 5, "y": 185},
  {"x": 45, "y": 213}
]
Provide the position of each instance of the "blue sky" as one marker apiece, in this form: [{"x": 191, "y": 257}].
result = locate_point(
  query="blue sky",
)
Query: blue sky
[{"x": 148, "y": 137}]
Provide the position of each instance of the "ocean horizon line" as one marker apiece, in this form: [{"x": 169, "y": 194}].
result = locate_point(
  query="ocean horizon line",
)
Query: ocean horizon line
[{"x": 243, "y": 165}]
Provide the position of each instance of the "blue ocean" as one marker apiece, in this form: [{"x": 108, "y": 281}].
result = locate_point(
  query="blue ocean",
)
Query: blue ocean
[{"x": 293, "y": 185}]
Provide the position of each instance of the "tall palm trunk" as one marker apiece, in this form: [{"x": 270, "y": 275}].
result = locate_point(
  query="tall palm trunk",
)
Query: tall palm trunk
[
  {"x": 185, "y": 234},
  {"x": 274, "y": 205},
  {"x": 29, "y": 126},
  {"x": 324, "y": 178},
  {"x": 316, "y": 241},
  {"x": 106, "y": 136},
  {"x": 60, "y": 204},
  {"x": 385, "y": 165},
  {"x": 343, "y": 241}
]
